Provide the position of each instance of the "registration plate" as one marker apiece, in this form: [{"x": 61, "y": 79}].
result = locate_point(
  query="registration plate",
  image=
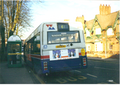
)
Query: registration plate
[{"x": 60, "y": 46}]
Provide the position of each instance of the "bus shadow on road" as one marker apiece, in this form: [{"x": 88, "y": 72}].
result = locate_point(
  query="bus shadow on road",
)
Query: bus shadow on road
[{"x": 67, "y": 77}]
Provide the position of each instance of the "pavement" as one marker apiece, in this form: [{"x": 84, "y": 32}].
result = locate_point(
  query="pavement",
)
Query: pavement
[
  {"x": 23, "y": 75},
  {"x": 103, "y": 59},
  {"x": 20, "y": 75}
]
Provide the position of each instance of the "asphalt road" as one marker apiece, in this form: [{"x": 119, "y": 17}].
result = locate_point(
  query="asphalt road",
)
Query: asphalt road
[{"x": 98, "y": 72}]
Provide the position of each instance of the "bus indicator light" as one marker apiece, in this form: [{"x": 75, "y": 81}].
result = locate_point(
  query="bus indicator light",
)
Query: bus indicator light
[
  {"x": 83, "y": 52},
  {"x": 45, "y": 68},
  {"x": 84, "y": 61},
  {"x": 45, "y": 65}
]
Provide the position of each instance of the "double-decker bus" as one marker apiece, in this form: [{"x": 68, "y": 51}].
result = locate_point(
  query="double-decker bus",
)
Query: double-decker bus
[{"x": 55, "y": 47}]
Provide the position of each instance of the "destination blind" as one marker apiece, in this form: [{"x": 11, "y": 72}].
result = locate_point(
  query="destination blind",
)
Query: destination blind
[{"x": 62, "y": 27}]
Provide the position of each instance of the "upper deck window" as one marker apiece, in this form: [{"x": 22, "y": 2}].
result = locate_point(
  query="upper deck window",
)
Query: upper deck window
[{"x": 63, "y": 37}]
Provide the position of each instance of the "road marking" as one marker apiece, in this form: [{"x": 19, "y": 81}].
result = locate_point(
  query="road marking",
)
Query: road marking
[
  {"x": 82, "y": 77},
  {"x": 71, "y": 79},
  {"x": 39, "y": 79},
  {"x": 78, "y": 71},
  {"x": 102, "y": 83},
  {"x": 105, "y": 68},
  {"x": 111, "y": 81},
  {"x": 114, "y": 83},
  {"x": 91, "y": 75},
  {"x": 60, "y": 80}
]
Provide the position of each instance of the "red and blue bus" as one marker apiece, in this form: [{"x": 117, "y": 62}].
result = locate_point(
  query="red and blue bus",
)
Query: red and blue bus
[{"x": 55, "y": 47}]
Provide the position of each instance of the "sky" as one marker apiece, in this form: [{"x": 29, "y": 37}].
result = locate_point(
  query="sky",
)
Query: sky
[{"x": 58, "y": 10}]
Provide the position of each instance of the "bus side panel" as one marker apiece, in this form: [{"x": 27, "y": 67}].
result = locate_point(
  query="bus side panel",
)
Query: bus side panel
[
  {"x": 38, "y": 65},
  {"x": 64, "y": 65},
  {"x": 28, "y": 62},
  {"x": 36, "y": 62}
]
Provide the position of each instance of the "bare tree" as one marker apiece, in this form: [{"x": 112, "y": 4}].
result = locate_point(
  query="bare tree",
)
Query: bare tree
[{"x": 16, "y": 16}]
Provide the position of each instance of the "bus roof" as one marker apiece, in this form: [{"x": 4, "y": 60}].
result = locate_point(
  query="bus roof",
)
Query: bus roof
[{"x": 74, "y": 25}]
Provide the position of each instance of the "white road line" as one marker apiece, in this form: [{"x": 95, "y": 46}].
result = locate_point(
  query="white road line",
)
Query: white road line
[
  {"x": 91, "y": 75},
  {"x": 105, "y": 68},
  {"x": 78, "y": 71},
  {"x": 111, "y": 81}
]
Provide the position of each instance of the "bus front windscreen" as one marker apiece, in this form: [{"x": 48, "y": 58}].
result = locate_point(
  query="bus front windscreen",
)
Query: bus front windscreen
[{"x": 63, "y": 37}]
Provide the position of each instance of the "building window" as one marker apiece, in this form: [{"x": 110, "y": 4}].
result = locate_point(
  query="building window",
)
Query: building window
[
  {"x": 98, "y": 46},
  {"x": 110, "y": 31},
  {"x": 88, "y": 47},
  {"x": 95, "y": 47},
  {"x": 110, "y": 46},
  {"x": 98, "y": 31},
  {"x": 119, "y": 18},
  {"x": 87, "y": 33},
  {"x": 118, "y": 21}
]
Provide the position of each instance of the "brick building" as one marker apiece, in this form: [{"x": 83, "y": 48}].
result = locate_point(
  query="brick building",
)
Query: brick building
[{"x": 102, "y": 34}]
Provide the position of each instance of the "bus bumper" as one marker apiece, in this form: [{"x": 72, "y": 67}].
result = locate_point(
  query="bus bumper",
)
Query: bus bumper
[
  {"x": 68, "y": 64},
  {"x": 60, "y": 65}
]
